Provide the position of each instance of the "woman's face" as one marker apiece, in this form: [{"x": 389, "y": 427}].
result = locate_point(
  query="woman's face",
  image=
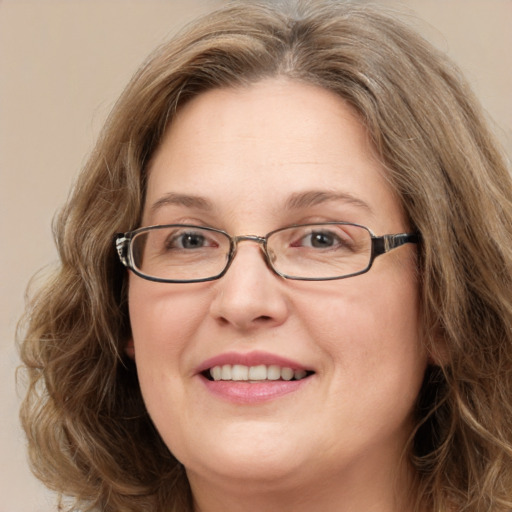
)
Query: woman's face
[{"x": 249, "y": 161}]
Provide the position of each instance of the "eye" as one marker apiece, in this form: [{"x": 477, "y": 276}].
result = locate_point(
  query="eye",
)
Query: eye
[
  {"x": 319, "y": 240},
  {"x": 189, "y": 240}
]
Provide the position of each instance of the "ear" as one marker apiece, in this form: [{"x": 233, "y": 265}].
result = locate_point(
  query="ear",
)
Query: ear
[{"x": 129, "y": 349}]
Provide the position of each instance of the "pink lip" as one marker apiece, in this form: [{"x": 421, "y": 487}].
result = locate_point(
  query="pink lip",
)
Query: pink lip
[
  {"x": 246, "y": 393},
  {"x": 243, "y": 392},
  {"x": 254, "y": 358}
]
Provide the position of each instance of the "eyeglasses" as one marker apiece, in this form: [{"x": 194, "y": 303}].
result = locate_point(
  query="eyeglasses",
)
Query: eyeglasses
[{"x": 182, "y": 253}]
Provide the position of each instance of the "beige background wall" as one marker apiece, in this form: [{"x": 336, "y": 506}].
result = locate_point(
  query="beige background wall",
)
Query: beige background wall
[{"x": 62, "y": 64}]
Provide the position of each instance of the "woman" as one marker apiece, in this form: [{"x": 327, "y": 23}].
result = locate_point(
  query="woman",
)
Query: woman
[{"x": 317, "y": 311}]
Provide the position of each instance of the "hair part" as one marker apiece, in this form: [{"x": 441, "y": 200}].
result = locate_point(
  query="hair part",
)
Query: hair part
[{"x": 89, "y": 433}]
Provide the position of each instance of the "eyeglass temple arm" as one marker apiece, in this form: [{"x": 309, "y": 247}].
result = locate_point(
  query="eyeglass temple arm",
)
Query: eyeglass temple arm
[{"x": 386, "y": 243}]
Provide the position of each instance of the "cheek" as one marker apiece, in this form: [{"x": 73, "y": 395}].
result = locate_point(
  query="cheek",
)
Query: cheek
[
  {"x": 164, "y": 324},
  {"x": 163, "y": 317},
  {"x": 363, "y": 313},
  {"x": 368, "y": 330}
]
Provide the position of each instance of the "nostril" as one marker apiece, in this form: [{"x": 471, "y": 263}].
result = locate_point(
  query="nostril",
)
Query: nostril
[{"x": 263, "y": 318}]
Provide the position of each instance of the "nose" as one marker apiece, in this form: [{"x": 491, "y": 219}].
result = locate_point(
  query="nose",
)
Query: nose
[{"x": 250, "y": 295}]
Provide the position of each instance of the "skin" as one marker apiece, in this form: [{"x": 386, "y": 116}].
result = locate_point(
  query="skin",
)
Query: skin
[{"x": 334, "y": 444}]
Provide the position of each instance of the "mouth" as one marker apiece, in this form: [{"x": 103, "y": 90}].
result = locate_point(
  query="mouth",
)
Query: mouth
[
  {"x": 254, "y": 374},
  {"x": 253, "y": 378}
]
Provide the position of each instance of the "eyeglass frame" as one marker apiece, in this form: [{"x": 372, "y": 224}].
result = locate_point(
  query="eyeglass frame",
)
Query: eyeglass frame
[{"x": 379, "y": 245}]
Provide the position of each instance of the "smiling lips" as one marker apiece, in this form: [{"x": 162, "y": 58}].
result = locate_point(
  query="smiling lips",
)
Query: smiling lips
[{"x": 252, "y": 378}]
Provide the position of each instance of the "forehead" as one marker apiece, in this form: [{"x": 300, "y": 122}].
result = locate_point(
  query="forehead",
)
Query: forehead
[{"x": 251, "y": 149}]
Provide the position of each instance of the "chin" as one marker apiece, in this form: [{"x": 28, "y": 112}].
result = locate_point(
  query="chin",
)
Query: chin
[{"x": 264, "y": 457}]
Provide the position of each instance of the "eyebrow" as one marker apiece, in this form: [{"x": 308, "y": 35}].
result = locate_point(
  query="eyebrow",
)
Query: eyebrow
[
  {"x": 314, "y": 197},
  {"x": 188, "y": 201},
  {"x": 296, "y": 201}
]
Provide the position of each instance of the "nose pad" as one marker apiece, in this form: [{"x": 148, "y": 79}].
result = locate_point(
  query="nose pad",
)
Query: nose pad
[
  {"x": 270, "y": 257},
  {"x": 250, "y": 293}
]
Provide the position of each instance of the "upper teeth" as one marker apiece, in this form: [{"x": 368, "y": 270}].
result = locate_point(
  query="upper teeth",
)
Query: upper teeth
[{"x": 255, "y": 373}]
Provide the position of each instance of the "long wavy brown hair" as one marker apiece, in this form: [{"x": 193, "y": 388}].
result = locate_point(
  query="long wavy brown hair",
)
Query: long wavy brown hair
[{"x": 89, "y": 434}]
